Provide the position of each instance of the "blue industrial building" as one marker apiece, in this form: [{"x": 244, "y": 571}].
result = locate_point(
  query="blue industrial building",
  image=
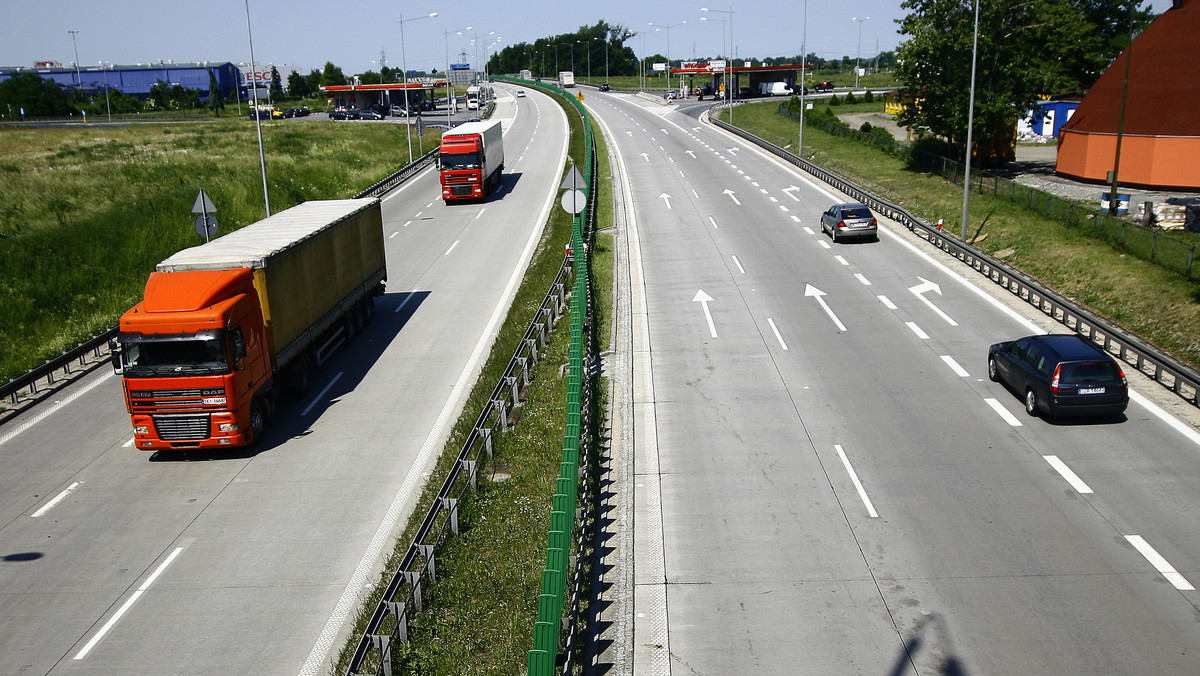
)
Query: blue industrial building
[{"x": 136, "y": 80}]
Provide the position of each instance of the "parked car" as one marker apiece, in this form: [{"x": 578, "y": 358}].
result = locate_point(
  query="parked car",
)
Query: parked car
[
  {"x": 849, "y": 220},
  {"x": 1060, "y": 375},
  {"x": 399, "y": 111},
  {"x": 368, "y": 114},
  {"x": 302, "y": 111},
  {"x": 339, "y": 114}
]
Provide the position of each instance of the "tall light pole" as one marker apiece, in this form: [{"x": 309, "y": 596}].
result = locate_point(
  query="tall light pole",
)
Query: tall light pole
[
  {"x": 449, "y": 87},
  {"x": 668, "y": 30},
  {"x": 107, "y": 103},
  {"x": 78, "y": 79},
  {"x": 404, "y": 65},
  {"x": 262, "y": 159},
  {"x": 728, "y": 61},
  {"x": 729, "y": 73},
  {"x": 803, "y": 78},
  {"x": 970, "y": 124},
  {"x": 858, "y": 56}
]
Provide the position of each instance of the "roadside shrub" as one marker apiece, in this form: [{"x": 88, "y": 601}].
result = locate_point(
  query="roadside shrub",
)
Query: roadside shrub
[
  {"x": 833, "y": 100},
  {"x": 868, "y": 97},
  {"x": 851, "y": 98}
]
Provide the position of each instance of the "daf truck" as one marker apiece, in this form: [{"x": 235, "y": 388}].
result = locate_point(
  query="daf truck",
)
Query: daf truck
[
  {"x": 470, "y": 159},
  {"x": 224, "y": 327},
  {"x": 566, "y": 79}
]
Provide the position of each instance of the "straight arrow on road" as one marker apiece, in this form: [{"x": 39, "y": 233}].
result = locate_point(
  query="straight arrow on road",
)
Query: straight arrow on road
[
  {"x": 810, "y": 290},
  {"x": 666, "y": 198},
  {"x": 730, "y": 193},
  {"x": 704, "y": 299}
]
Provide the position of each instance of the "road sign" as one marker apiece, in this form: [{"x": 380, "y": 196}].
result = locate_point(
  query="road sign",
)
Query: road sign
[
  {"x": 206, "y": 226},
  {"x": 573, "y": 201},
  {"x": 204, "y": 203},
  {"x": 573, "y": 180}
]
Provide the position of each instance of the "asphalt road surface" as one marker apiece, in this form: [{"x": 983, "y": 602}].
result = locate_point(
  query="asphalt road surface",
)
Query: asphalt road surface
[
  {"x": 824, "y": 481},
  {"x": 114, "y": 561}
]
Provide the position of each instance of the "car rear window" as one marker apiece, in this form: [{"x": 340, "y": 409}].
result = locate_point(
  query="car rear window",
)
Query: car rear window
[
  {"x": 860, "y": 212},
  {"x": 1089, "y": 372}
]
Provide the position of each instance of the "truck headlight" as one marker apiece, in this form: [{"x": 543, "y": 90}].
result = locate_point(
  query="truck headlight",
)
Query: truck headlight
[
  {"x": 228, "y": 427},
  {"x": 141, "y": 429}
]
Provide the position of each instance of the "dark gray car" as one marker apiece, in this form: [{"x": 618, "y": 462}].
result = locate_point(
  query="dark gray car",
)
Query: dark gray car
[
  {"x": 1060, "y": 375},
  {"x": 855, "y": 220}
]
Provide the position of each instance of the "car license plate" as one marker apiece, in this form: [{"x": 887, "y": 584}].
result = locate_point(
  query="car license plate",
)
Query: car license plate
[{"x": 1091, "y": 390}]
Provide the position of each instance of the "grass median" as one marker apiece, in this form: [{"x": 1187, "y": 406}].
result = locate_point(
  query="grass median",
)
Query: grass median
[{"x": 1146, "y": 300}]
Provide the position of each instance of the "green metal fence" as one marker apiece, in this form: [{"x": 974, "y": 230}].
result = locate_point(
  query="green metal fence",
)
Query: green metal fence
[{"x": 1147, "y": 243}]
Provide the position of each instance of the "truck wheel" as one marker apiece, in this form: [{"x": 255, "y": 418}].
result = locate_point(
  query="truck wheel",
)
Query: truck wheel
[
  {"x": 258, "y": 420},
  {"x": 368, "y": 309}
]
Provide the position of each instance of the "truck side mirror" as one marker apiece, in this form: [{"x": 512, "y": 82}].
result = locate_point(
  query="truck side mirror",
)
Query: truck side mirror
[
  {"x": 115, "y": 349},
  {"x": 238, "y": 346}
]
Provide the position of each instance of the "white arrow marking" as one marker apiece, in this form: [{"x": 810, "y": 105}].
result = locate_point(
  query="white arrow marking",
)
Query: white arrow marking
[
  {"x": 704, "y": 299},
  {"x": 788, "y": 191},
  {"x": 629, "y": 132},
  {"x": 646, "y": 156},
  {"x": 732, "y": 150},
  {"x": 691, "y": 153},
  {"x": 927, "y": 285},
  {"x": 810, "y": 290},
  {"x": 730, "y": 193},
  {"x": 666, "y": 198},
  {"x": 665, "y": 132}
]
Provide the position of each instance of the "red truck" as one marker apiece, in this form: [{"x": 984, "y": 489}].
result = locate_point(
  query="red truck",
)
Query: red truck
[
  {"x": 225, "y": 326},
  {"x": 470, "y": 160}
]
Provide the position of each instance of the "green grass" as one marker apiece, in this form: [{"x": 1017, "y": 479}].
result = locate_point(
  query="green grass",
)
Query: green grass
[
  {"x": 86, "y": 212},
  {"x": 1144, "y": 299},
  {"x": 479, "y": 616}
]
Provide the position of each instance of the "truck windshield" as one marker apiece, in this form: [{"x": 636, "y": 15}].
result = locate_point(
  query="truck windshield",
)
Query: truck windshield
[
  {"x": 173, "y": 356},
  {"x": 463, "y": 161}
]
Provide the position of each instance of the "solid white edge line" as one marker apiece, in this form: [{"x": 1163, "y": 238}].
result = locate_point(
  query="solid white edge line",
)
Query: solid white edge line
[
  {"x": 737, "y": 263},
  {"x": 1003, "y": 412},
  {"x": 57, "y": 499},
  {"x": 1066, "y": 473},
  {"x": 954, "y": 366},
  {"x": 777, "y": 336},
  {"x": 112, "y": 621},
  {"x": 44, "y": 414},
  {"x": 862, "y": 492},
  {"x": 1160, "y": 564},
  {"x": 349, "y": 600}
]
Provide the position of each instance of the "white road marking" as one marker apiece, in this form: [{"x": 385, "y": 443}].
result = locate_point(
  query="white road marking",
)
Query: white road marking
[
  {"x": 917, "y": 330},
  {"x": 704, "y": 299},
  {"x": 1003, "y": 412},
  {"x": 57, "y": 499},
  {"x": 56, "y": 406},
  {"x": 321, "y": 395},
  {"x": 738, "y": 264},
  {"x": 451, "y": 247},
  {"x": 886, "y": 303},
  {"x": 796, "y": 218},
  {"x": 824, "y": 244},
  {"x": 406, "y": 224},
  {"x": 862, "y": 492},
  {"x": 112, "y": 621},
  {"x": 480, "y": 212},
  {"x": 714, "y": 223},
  {"x": 864, "y": 280},
  {"x": 810, "y": 290},
  {"x": 1072, "y": 478},
  {"x": 1160, "y": 564},
  {"x": 840, "y": 259},
  {"x": 776, "y": 332},
  {"x": 807, "y": 229},
  {"x": 954, "y": 366}
]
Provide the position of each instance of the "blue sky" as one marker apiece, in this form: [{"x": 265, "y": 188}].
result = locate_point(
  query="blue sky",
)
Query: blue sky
[{"x": 352, "y": 34}]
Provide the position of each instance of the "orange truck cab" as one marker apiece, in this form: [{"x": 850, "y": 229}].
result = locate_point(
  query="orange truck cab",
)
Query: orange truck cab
[
  {"x": 225, "y": 326},
  {"x": 470, "y": 158}
]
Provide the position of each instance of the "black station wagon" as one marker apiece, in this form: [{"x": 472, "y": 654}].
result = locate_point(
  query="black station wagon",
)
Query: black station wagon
[{"x": 1060, "y": 375}]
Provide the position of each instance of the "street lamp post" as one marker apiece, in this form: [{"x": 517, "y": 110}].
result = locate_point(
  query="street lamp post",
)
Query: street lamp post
[
  {"x": 404, "y": 65},
  {"x": 729, "y": 73},
  {"x": 858, "y": 56},
  {"x": 970, "y": 124},
  {"x": 668, "y": 30},
  {"x": 449, "y": 87},
  {"x": 107, "y": 103},
  {"x": 262, "y": 159},
  {"x": 78, "y": 78},
  {"x": 803, "y": 79}
]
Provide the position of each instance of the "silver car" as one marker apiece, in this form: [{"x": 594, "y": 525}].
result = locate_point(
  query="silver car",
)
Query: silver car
[{"x": 849, "y": 220}]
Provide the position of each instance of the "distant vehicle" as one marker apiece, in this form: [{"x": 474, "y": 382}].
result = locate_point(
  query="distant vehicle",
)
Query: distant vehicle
[
  {"x": 849, "y": 220},
  {"x": 774, "y": 89},
  {"x": 368, "y": 114},
  {"x": 603, "y": 87},
  {"x": 825, "y": 86},
  {"x": 470, "y": 159},
  {"x": 379, "y": 108},
  {"x": 473, "y": 96},
  {"x": 1060, "y": 375},
  {"x": 526, "y": 75},
  {"x": 266, "y": 113},
  {"x": 398, "y": 111},
  {"x": 520, "y": 93},
  {"x": 670, "y": 95},
  {"x": 302, "y": 111},
  {"x": 473, "y": 119},
  {"x": 566, "y": 79}
]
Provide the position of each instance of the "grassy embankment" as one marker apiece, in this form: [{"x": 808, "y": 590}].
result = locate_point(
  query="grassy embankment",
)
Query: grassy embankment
[
  {"x": 479, "y": 616},
  {"x": 86, "y": 212},
  {"x": 1146, "y": 300}
]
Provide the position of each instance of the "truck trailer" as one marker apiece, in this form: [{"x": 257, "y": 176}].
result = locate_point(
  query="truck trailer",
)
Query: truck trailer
[
  {"x": 225, "y": 326},
  {"x": 566, "y": 79},
  {"x": 470, "y": 160}
]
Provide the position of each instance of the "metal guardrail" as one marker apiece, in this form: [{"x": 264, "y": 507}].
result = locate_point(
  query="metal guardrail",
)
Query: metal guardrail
[
  {"x": 1132, "y": 350},
  {"x": 388, "y": 625},
  {"x": 54, "y": 371}
]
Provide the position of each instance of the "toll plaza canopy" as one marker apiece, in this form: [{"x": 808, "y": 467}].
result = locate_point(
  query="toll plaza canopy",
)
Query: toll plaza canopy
[
  {"x": 363, "y": 95},
  {"x": 714, "y": 72}
]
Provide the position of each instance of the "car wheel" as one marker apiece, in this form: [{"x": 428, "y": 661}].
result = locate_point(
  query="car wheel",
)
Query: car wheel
[
  {"x": 833, "y": 234},
  {"x": 1031, "y": 402},
  {"x": 993, "y": 374}
]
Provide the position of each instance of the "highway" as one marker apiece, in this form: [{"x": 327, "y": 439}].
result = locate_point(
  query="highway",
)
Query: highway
[
  {"x": 118, "y": 561},
  {"x": 824, "y": 480}
]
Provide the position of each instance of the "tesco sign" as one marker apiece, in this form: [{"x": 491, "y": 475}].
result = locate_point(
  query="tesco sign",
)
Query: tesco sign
[{"x": 256, "y": 78}]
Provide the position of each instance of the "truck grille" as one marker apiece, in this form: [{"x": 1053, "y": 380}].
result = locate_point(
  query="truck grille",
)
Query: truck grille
[
  {"x": 460, "y": 190},
  {"x": 460, "y": 178},
  {"x": 182, "y": 427}
]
